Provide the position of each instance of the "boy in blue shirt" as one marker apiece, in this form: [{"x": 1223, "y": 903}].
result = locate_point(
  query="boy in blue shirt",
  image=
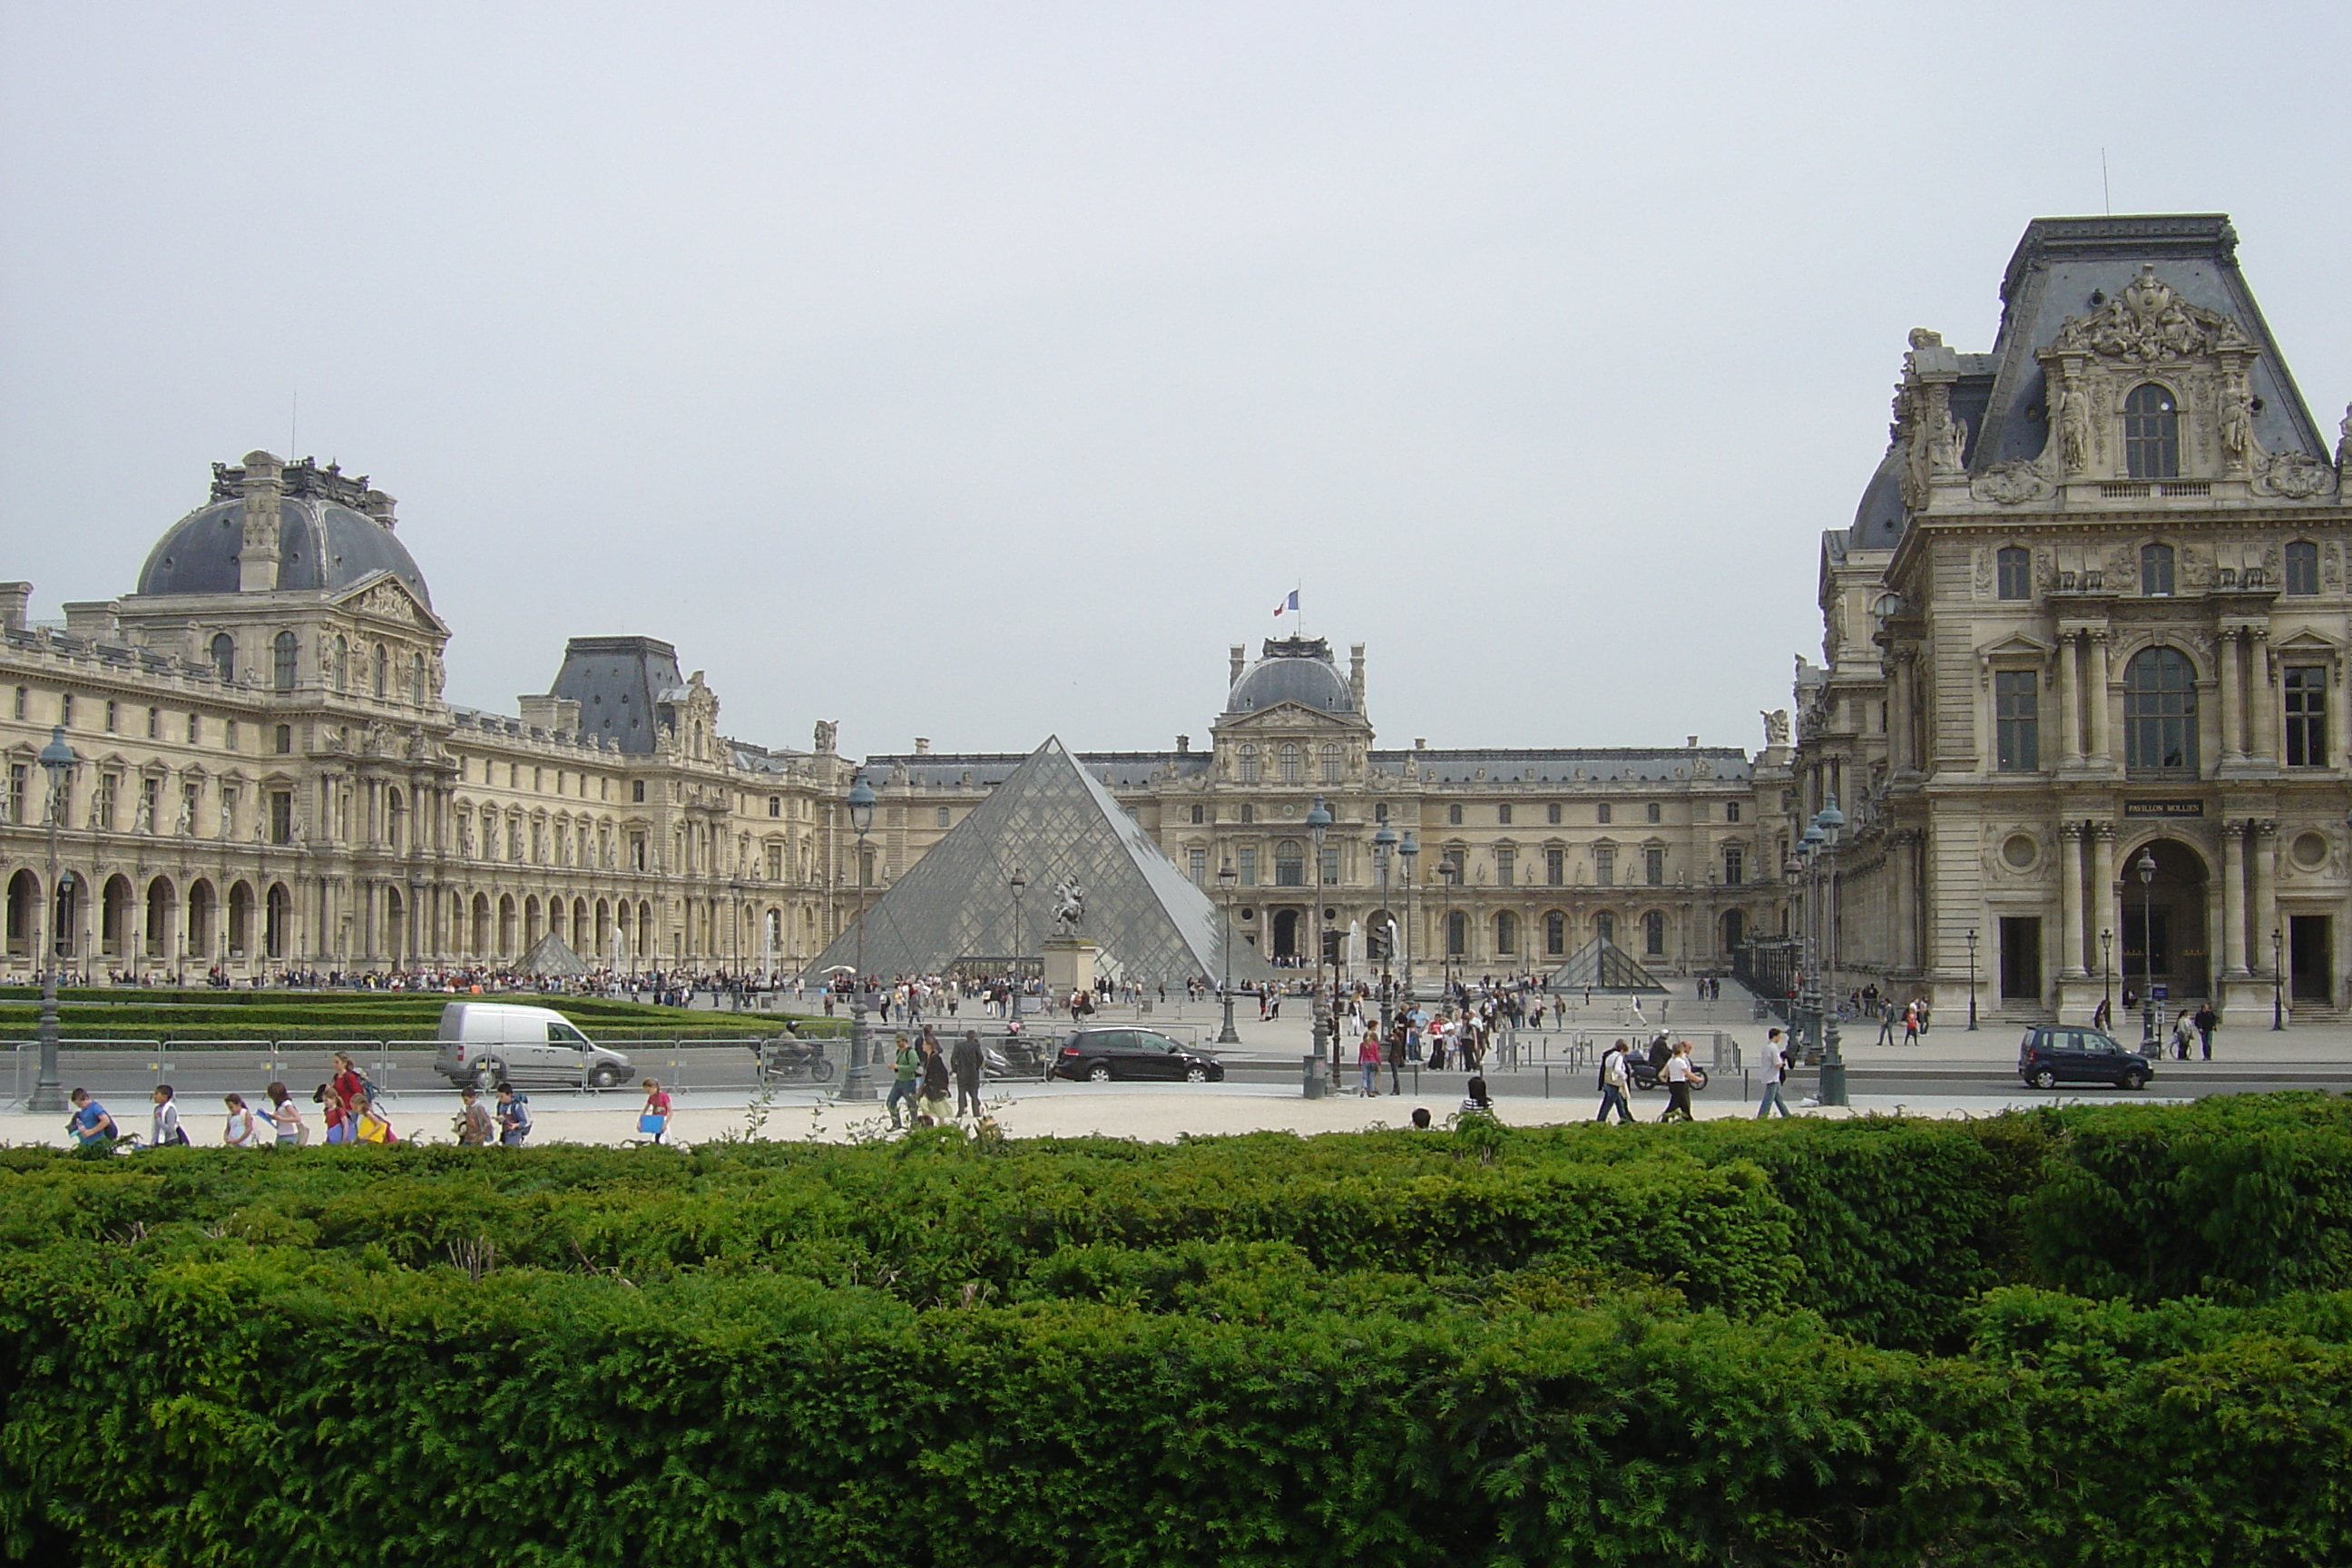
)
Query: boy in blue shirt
[{"x": 91, "y": 1127}]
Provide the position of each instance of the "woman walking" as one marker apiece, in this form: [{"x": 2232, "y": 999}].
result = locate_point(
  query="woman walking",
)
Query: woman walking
[
  {"x": 653, "y": 1118},
  {"x": 1368, "y": 1062},
  {"x": 1676, "y": 1076}
]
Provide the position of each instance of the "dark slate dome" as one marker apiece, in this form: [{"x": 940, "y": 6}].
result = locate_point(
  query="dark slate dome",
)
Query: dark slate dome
[
  {"x": 1878, "y": 521},
  {"x": 325, "y": 544},
  {"x": 1297, "y": 670}
]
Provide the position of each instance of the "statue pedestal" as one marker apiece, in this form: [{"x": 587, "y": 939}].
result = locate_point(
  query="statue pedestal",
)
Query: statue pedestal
[{"x": 1070, "y": 966}]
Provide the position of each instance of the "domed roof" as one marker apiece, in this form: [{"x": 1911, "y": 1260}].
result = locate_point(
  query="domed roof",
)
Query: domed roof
[
  {"x": 1299, "y": 670},
  {"x": 325, "y": 544},
  {"x": 1878, "y": 521}
]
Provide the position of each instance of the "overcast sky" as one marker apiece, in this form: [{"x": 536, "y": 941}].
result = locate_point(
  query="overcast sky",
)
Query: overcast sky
[{"x": 982, "y": 371}]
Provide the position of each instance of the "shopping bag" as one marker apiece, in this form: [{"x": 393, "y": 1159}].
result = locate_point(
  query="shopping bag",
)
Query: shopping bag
[{"x": 649, "y": 1123}]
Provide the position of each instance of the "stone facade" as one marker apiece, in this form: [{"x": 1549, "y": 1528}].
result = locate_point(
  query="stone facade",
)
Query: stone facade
[
  {"x": 2093, "y": 615},
  {"x": 1524, "y": 853},
  {"x": 270, "y": 778}
]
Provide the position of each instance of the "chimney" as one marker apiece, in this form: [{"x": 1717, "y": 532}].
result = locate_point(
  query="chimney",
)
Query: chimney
[
  {"x": 1694, "y": 741},
  {"x": 922, "y": 745},
  {"x": 378, "y": 505},
  {"x": 1183, "y": 745},
  {"x": 15, "y": 600},
  {"x": 100, "y": 620},
  {"x": 559, "y": 716},
  {"x": 1419, "y": 744},
  {"x": 1355, "y": 674},
  {"x": 1239, "y": 656},
  {"x": 256, "y": 556}
]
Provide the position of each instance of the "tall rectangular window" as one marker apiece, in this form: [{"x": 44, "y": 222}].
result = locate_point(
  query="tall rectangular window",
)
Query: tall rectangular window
[
  {"x": 1654, "y": 811},
  {"x": 2017, "y": 721},
  {"x": 281, "y": 817},
  {"x": 1551, "y": 814},
  {"x": 1196, "y": 866},
  {"x": 1653, "y": 867},
  {"x": 19, "y": 774},
  {"x": 2014, "y": 570},
  {"x": 1730, "y": 811},
  {"x": 1507, "y": 867},
  {"x": 1555, "y": 868},
  {"x": 2303, "y": 567},
  {"x": 1735, "y": 865},
  {"x": 1289, "y": 864},
  {"x": 1600, "y": 814},
  {"x": 1604, "y": 864},
  {"x": 1245, "y": 862},
  {"x": 1503, "y": 815},
  {"x": 1330, "y": 864},
  {"x": 1453, "y": 816},
  {"x": 2306, "y": 715}
]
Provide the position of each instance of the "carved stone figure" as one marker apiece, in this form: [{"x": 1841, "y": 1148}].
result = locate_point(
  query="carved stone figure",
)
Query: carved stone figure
[
  {"x": 1951, "y": 444},
  {"x": 1776, "y": 726},
  {"x": 2014, "y": 483},
  {"x": 2074, "y": 430},
  {"x": 2237, "y": 434},
  {"x": 2148, "y": 321},
  {"x": 2294, "y": 476},
  {"x": 1069, "y": 904},
  {"x": 2344, "y": 442},
  {"x": 826, "y": 730}
]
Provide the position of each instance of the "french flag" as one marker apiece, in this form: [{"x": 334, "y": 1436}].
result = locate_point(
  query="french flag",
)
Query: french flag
[{"x": 1289, "y": 602}]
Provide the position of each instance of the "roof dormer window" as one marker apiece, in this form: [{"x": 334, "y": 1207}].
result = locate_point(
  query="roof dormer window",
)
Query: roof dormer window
[{"x": 2151, "y": 433}]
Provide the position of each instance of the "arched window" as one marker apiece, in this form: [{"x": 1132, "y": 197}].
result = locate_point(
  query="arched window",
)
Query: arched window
[
  {"x": 2160, "y": 713},
  {"x": 225, "y": 657},
  {"x": 1457, "y": 934},
  {"x": 1555, "y": 934},
  {"x": 281, "y": 662},
  {"x": 382, "y": 670},
  {"x": 342, "y": 673},
  {"x": 1245, "y": 763},
  {"x": 2303, "y": 567},
  {"x": 1289, "y": 763},
  {"x": 2156, "y": 569},
  {"x": 1330, "y": 764},
  {"x": 1654, "y": 934},
  {"x": 1604, "y": 926},
  {"x": 1506, "y": 932},
  {"x": 1290, "y": 864},
  {"x": 417, "y": 679},
  {"x": 2015, "y": 572},
  {"x": 2152, "y": 433}
]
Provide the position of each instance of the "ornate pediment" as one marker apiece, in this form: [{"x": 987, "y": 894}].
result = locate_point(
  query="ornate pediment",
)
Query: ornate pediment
[
  {"x": 2150, "y": 322},
  {"x": 386, "y": 597}
]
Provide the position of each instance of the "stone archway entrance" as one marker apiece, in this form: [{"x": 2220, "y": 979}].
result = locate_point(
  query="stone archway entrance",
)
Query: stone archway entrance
[
  {"x": 1286, "y": 934},
  {"x": 2163, "y": 924}
]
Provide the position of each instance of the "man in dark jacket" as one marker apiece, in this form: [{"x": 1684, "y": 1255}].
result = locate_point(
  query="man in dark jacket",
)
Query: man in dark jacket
[{"x": 965, "y": 1062}]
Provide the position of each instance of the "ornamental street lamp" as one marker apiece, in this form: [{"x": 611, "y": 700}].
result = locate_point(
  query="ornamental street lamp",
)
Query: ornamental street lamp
[
  {"x": 1227, "y": 879},
  {"x": 1972, "y": 977},
  {"x": 2278, "y": 983},
  {"x": 57, "y": 760},
  {"x": 1326, "y": 1005},
  {"x": 1831, "y": 820},
  {"x": 858, "y": 1083},
  {"x": 1409, "y": 848},
  {"x": 1019, "y": 883},
  {"x": 1384, "y": 843},
  {"x": 2146, "y": 864}
]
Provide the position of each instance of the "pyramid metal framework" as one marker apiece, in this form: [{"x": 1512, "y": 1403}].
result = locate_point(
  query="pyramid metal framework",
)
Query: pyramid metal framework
[
  {"x": 1049, "y": 819},
  {"x": 550, "y": 954},
  {"x": 1602, "y": 966}
]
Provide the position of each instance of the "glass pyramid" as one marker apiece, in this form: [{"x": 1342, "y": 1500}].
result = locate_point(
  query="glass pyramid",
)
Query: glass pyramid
[
  {"x": 1602, "y": 966},
  {"x": 550, "y": 954},
  {"x": 953, "y": 911}
]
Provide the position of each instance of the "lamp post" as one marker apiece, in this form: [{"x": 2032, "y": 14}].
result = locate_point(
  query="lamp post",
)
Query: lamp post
[
  {"x": 1227, "y": 879},
  {"x": 1972, "y": 977},
  {"x": 1325, "y": 1005},
  {"x": 858, "y": 1083},
  {"x": 1019, "y": 883},
  {"x": 2108, "y": 975},
  {"x": 2146, "y": 864},
  {"x": 48, "y": 1094},
  {"x": 1809, "y": 981},
  {"x": 1385, "y": 845},
  {"x": 1409, "y": 850},
  {"x": 2278, "y": 982}
]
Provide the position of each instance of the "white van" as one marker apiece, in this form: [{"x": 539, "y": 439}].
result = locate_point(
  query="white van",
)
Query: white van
[{"x": 484, "y": 1042}]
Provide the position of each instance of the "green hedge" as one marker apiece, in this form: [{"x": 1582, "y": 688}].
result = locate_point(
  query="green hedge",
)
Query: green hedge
[{"x": 1582, "y": 1344}]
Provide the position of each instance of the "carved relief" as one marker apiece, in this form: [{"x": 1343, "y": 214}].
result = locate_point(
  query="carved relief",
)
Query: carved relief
[
  {"x": 1983, "y": 562},
  {"x": 2149, "y": 322},
  {"x": 2014, "y": 482},
  {"x": 2293, "y": 475}
]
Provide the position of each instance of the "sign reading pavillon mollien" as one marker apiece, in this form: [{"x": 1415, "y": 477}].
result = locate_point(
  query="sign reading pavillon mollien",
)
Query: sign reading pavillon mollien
[{"x": 2164, "y": 808}]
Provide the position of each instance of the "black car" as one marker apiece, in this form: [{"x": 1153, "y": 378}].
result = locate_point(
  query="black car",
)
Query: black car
[
  {"x": 1098, "y": 1055},
  {"x": 2052, "y": 1054}
]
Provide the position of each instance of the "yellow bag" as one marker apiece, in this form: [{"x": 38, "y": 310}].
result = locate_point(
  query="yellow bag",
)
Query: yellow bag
[{"x": 375, "y": 1129}]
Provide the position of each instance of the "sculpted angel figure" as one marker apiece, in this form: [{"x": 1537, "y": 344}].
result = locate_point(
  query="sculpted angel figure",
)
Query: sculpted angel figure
[
  {"x": 1776, "y": 726},
  {"x": 1069, "y": 902}
]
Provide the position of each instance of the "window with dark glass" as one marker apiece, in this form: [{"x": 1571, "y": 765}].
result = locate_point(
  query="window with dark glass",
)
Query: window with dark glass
[
  {"x": 1330, "y": 864},
  {"x": 1507, "y": 867},
  {"x": 2152, "y": 433},
  {"x": 225, "y": 657},
  {"x": 281, "y": 662},
  {"x": 1654, "y": 934},
  {"x": 1555, "y": 934},
  {"x": 1653, "y": 811},
  {"x": 1735, "y": 865},
  {"x": 2306, "y": 715},
  {"x": 1604, "y": 864},
  {"x": 1555, "y": 868},
  {"x": 1730, "y": 811},
  {"x": 1604, "y": 926},
  {"x": 1506, "y": 932},
  {"x": 2016, "y": 721},
  {"x": 2156, "y": 569},
  {"x": 1457, "y": 934},
  {"x": 1653, "y": 867},
  {"x": 1503, "y": 815},
  {"x": 2014, "y": 572},
  {"x": 1551, "y": 814},
  {"x": 1600, "y": 814},
  {"x": 1453, "y": 816},
  {"x": 2303, "y": 567},
  {"x": 1289, "y": 864},
  {"x": 2160, "y": 713}
]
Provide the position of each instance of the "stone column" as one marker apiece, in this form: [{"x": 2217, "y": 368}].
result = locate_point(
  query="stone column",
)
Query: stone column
[
  {"x": 2070, "y": 835},
  {"x": 2232, "y": 714},
  {"x": 2070, "y": 697},
  {"x": 2264, "y": 694},
  {"x": 2233, "y": 898},
  {"x": 2097, "y": 652},
  {"x": 2103, "y": 878},
  {"x": 2266, "y": 915},
  {"x": 1899, "y": 739}
]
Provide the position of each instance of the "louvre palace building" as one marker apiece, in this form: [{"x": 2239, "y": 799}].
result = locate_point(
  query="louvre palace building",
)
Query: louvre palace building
[
  {"x": 2084, "y": 651},
  {"x": 268, "y": 780}
]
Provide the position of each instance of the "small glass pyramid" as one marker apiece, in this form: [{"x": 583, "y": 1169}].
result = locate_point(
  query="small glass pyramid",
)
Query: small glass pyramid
[
  {"x": 953, "y": 911},
  {"x": 1602, "y": 966}
]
